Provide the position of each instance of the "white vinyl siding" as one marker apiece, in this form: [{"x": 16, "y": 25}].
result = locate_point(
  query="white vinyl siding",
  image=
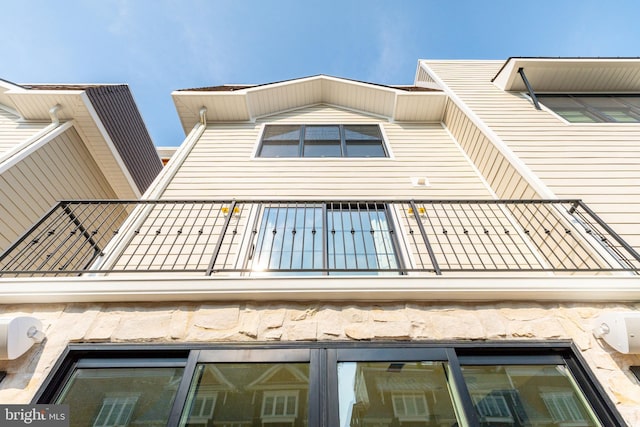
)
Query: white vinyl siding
[
  {"x": 222, "y": 164},
  {"x": 13, "y": 132},
  {"x": 599, "y": 163},
  {"x": 62, "y": 169}
]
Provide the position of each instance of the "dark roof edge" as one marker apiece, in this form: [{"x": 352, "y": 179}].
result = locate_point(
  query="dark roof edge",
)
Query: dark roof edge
[
  {"x": 119, "y": 114},
  {"x": 231, "y": 88},
  {"x": 66, "y": 86}
]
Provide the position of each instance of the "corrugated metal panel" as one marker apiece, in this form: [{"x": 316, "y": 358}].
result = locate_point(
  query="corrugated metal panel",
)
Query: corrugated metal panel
[
  {"x": 122, "y": 120},
  {"x": 61, "y": 169}
]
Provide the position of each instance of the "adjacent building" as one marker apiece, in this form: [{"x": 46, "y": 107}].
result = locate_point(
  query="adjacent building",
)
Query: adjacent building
[
  {"x": 330, "y": 252},
  {"x": 63, "y": 142}
]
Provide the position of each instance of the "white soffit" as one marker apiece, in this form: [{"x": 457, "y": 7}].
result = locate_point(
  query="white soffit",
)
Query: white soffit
[
  {"x": 265, "y": 100},
  {"x": 4, "y": 88},
  {"x": 35, "y": 104},
  {"x": 571, "y": 75}
]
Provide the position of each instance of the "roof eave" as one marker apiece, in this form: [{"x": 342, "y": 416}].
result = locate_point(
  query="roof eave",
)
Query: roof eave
[
  {"x": 571, "y": 74},
  {"x": 264, "y": 100}
]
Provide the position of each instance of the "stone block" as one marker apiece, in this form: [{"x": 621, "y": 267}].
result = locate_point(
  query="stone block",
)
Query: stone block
[
  {"x": 354, "y": 314},
  {"x": 272, "y": 319},
  {"x": 359, "y": 331},
  {"x": 103, "y": 326},
  {"x": 143, "y": 326},
  {"x": 217, "y": 318},
  {"x": 249, "y": 321},
  {"x": 391, "y": 330},
  {"x": 390, "y": 314},
  {"x": 302, "y": 331}
]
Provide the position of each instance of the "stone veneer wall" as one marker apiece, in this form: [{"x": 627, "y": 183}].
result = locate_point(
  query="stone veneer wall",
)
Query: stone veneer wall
[{"x": 261, "y": 322}]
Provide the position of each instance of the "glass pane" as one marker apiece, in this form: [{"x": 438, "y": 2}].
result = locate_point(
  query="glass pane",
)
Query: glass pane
[
  {"x": 365, "y": 149},
  {"x": 248, "y": 394},
  {"x": 599, "y": 102},
  {"x": 359, "y": 238},
  {"x": 289, "y": 238},
  {"x": 394, "y": 394},
  {"x": 519, "y": 395},
  {"x": 363, "y": 141},
  {"x": 577, "y": 116},
  {"x": 120, "y": 396},
  {"x": 322, "y": 141},
  {"x": 322, "y": 133},
  {"x": 362, "y": 133},
  {"x": 281, "y": 133},
  {"x": 621, "y": 116},
  {"x": 562, "y": 102},
  {"x": 280, "y": 141},
  {"x": 631, "y": 100},
  {"x": 280, "y": 149},
  {"x": 322, "y": 149}
]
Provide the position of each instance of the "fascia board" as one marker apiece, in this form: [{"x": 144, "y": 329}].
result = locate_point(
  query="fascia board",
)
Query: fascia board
[
  {"x": 506, "y": 75},
  {"x": 177, "y": 287},
  {"x": 5, "y": 100},
  {"x": 435, "y": 104}
]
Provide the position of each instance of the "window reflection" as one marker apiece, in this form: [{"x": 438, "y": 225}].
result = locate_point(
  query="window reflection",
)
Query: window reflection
[
  {"x": 248, "y": 394},
  {"x": 541, "y": 396},
  {"x": 377, "y": 394},
  {"x": 121, "y": 396}
]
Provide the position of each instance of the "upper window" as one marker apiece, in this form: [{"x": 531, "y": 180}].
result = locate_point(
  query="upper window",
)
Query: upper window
[
  {"x": 322, "y": 141},
  {"x": 594, "y": 108}
]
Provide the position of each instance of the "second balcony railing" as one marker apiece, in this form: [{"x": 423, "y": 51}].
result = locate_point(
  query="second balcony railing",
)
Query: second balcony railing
[{"x": 260, "y": 238}]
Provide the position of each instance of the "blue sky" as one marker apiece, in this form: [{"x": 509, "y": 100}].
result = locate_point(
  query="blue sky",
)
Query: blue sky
[{"x": 157, "y": 46}]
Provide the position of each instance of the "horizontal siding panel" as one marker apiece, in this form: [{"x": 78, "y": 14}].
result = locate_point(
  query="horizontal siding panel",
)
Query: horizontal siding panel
[
  {"x": 221, "y": 164},
  {"x": 61, "y": 169},
  {"x": 503, "y": 178},
  {"x": 14, "y": 132},
  {"x": 598, "y": 163}
]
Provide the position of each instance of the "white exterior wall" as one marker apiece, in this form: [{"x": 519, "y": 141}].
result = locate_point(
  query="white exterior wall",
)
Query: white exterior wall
[
  {"x": 61, "y": 169},
  {"x": 599, "y": 163},
  {"x": 221, "y": 165},
  {"x": 13, "y": 132}
]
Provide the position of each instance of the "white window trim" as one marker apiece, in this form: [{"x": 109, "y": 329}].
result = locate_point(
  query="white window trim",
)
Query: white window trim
[
  {"x": 276, "y": 418},
  {"x": 120, "y": 419},
  {"x": 403, "y": 415}
]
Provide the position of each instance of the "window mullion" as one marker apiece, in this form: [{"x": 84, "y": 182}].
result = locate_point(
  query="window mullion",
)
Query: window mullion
[
  {"x": 343, "y": 143},
  {"x": 460, "y": 391},
  {"x": 183, "y": 389},
  {"x": 323, "y": 388},
  {"x": 301, "y": 143}
]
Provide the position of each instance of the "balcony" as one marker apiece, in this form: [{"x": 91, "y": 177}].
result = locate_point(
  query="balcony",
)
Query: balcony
[{"x": 316, "y": 238}]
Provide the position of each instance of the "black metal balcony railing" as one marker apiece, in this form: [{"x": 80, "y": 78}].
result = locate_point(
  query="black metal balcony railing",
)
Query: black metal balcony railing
[{"x": 318, "y": 237}]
